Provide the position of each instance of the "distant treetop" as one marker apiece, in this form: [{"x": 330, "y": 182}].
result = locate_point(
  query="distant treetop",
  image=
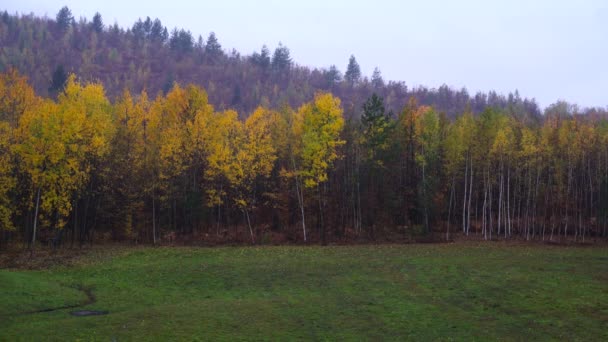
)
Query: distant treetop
[
  {"x": 353, "y": 71},
  {"x": 281, "y": 60},
  {"x": 65, "y": 19},
  {"x": 213, "y": 47},
  {"x": 97, "y": 23}
]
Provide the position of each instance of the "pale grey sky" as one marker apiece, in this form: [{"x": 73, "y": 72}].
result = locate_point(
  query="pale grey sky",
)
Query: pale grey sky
[{"x": 546, "y": 49}]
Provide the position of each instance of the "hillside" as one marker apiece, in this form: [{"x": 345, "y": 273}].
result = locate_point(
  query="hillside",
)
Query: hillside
[{"x": 150, "y": 56}]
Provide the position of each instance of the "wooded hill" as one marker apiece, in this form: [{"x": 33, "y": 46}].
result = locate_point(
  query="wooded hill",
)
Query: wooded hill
[{"x": 149, "y": 56}]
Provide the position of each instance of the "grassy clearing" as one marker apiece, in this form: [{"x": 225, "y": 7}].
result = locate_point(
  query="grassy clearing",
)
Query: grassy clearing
[{"x": 464, "y": 291}]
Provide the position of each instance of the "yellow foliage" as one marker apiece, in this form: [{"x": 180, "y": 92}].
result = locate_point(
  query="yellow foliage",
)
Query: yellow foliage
[
  {"x": 59, "y": 143},
  {"x": 318, "y": 125},
  {"x": 7, "y": 180},
  {"x": 16, "y": 98}
]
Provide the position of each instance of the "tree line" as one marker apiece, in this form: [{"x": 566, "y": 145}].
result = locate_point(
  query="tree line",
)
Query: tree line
[{"x": 147, "y": 169}]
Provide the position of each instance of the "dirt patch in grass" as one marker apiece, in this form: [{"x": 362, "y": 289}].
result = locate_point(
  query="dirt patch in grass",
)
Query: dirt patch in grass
[{"x": 44, "y": 258}]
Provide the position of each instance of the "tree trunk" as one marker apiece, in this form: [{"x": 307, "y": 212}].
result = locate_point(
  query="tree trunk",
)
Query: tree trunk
[
  {"x": 300, "y": 195},
  {"x": 509, "y": 200},
  {"x": 249, "y": 225},
  {"x": 447, "y": 230},
  {"x": 424, "y": 196},
  {"x": 35, "y": 222},
  {"x": 321, "y": 223},
  {"x": 470, "y": 194},
  {"x": 500, "y": 188},
  {"x": 219, "y": 212},
  {"x": 484, "y": 210},
  {"x": 153, "y": 218},
  {"x": 464, "y": 201}
]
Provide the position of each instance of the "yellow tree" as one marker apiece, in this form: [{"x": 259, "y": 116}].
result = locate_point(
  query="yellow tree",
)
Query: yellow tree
[
  {"x": 548, "y": 148},
  {"x": 588, "y": 138},
  {"x": 427, "y": 153},
  {"x": 224, "y": 132},
  {"x": 529, "y": 159},
  {"x": 318, "y": 125},
  {"x": 126, "y": 174},
  {"x": 602, "y": 174},
  {"x": 176, "y": 131},
  {"x": 458, "y": 152},
  {"x": 44, "y": 157},
  {"x": 570, "y": 146},
  {"x": 254, "y": 160},
  {"x": 59, "y": 146},
  {"x": 16, "y": 97},
  {"x": 7, "y": 179},
  {"x": 502, "y": 150}
]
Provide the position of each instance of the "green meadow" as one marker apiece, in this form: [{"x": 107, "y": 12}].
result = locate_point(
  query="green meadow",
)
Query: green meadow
[{"x": 461, "y": 291}]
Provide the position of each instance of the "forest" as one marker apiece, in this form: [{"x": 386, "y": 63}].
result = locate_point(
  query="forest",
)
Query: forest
[
  {"x": 144, "y": 136},
  {"x": 147, "y": 169}
]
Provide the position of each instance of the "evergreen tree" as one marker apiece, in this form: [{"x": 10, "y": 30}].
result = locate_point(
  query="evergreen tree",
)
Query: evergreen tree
[
  {"x": 181, "y": 41},
  {"x": 158, "y": 33},
  {"x": 353, "y": 71},
  {"x": 375, "y": 141},
  {"x": 58, "y": 80},
  {"x": 97, "y": 23},
  {"x": 333, "y": 76},
  {"x": 147, "y": 26},
  {"x": 376, "y": 127},
  {"x": 281, "y": 59},
  {"x": 138, "y": 30},
  {"x": 64, "y": 19},
  {"x": 213, "y": 49},
  {"x": 261, "y": 59},
  {"x": 377, "y": 81}
]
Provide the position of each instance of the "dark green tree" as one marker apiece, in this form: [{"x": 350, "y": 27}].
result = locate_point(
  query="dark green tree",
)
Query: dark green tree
[
  {"x": 181, "y": 41},
  {"x": 65, "y": 19},
  {"x": 138, "y": 30},
  {"x": 58, "y": 80},
  {"x": 281, "y": 59},
  {"x": 333, "y": 76},
  {"x": 375, "y": 140},
  {"x": 158, "y": 33},
  {"x": 213, "y": 49},
  {"x": 353, "y": 71},
  {"x": 377, "y": 81},
  {"x": 148, "y": 26},
  {"x": 261, "y": 59},
  {"x": 97, "y": 23},
  {"x": 376, "y": 124}
]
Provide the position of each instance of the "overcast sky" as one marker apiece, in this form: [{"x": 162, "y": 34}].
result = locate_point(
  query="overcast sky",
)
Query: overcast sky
[{"x": 546, "y": 49}]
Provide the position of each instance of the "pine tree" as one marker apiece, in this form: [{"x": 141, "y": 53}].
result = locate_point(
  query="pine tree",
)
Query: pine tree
[
  {"x": 58, "y": 81},
  {"x": 97, "y": 23},
  {"x": 377, "y": 81},
  {"x": 213, "y": 49},
  {"x": 64, "y": 19},
  {"x": 333, "y": 76},
  {"x": 353, "y": 71},
  {"x": 281, "y": 59}
]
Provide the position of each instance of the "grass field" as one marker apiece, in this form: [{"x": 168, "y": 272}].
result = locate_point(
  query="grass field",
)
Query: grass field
[{"x": 462, "y": 291}]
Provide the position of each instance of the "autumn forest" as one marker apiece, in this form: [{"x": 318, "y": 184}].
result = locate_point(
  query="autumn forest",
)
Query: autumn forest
[
  {"x": 157, "y": 185},
  {"x": 139, "y": 135}
]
